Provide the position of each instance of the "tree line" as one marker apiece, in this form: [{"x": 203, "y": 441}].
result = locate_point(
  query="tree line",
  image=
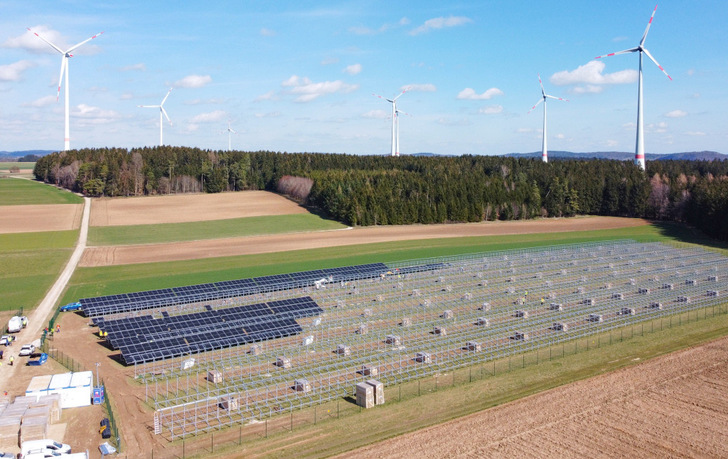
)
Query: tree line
[{"x": 381, "y": 190}]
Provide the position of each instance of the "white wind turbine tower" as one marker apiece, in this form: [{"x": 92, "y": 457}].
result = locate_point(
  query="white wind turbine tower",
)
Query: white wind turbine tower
[
  {"x": 162, "y": 111},
  {"x": 639, "y": 156},
  {"x": 544, "y": 96},
  {"x": 395, "y": 121},
  {"x": 64, "y": 68},
  {"x": 230, "y": 131}
]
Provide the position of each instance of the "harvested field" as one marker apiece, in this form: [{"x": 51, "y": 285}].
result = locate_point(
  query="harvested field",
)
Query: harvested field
[
  {"x": 148, "y": 253},
  {"x": 672, "y": 406},
  {"x": 149, "y": 210},
  {"x": 42, "y": 217}
]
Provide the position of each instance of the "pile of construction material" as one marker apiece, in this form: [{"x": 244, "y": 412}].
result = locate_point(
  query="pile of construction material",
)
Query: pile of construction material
[
  {"x": 27, "y": 418},
  {"x": 370, "y": 393}
]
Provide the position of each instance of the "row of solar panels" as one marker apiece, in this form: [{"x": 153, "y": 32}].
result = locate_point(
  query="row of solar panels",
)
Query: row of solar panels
[
  {"x": 145, "y": 338},
  {"x": 143, "y": 352},
  {"x": 125, "y": 302}
]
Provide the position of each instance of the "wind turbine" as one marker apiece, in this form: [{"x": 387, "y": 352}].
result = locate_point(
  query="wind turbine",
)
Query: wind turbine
[
  {"x": 230, "y": 131},
  {"x": 64, "y": 68},
  {"x": 161, "y": 112},
  {"x": 639, "y": 156},
  {"x": 544, "y": 96},
  {"x": 395, "y": 121}
]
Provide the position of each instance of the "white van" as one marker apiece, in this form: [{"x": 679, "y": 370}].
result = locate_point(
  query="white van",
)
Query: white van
[{"x": 43, "y": 448}]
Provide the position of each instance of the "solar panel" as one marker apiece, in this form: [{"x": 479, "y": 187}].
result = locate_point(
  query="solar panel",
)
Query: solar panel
[
  {"x": 145, "y": 338},
  {"x": 126, "y": 302}
]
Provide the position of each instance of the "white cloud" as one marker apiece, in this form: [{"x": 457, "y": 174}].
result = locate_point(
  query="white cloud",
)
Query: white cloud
[
  {"x": 375, "y": 114},
  {"x": 140, "y": 66},
  {"x": 268, "y": 115},
  {"x": 213, "y": 101},
  {"x": 42, "y": 102},
  {"x": 453, "y": 122},
  {"x": 209, "y": 117},
  {"x": 330, "y": 61},
  {"x": 14, "y": 71},
  {"x": 491, "y": 110},
  {"x": 427, "y": 87},
  {"x": 29, "y": 42},
  {"x": 353, "y": 69},
  {"x": 695, "y": 133},
  {"x": 267, "y": 32},
  {"x": 659, "y": 128},
  {"x": 591, "y": 74},
  {"x": 439, "y": 23},
  {"x": 470, "y": 94},
  {"x": 676, "y": 114},
  {"x": 524, "y": 130},
  {"x": 363, "y": 30},
  {"x": 620, "y": 38},
  {"x": 127, "y": 96},
  {"x": 307, "y": 90},
  {"x": 270, "y": 95},
  {"x": 612, "y": 143},
  {"x": 691, "y": 72},
  {"x": 560, "y": 136},
  {"x": 193, "y": 81},
  {"x": 588, "y": 89},
  {"x": 94, "y": 115}
]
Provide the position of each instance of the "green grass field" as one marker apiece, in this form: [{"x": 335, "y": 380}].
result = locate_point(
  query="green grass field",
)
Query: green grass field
[
  {"x": 5, "y": 166},
  {"x": 31, "y": 262},
  {"x": 90, "y": 282},
  {"x": 15, "y": 192},
  {"x": 217, "y": 229}
]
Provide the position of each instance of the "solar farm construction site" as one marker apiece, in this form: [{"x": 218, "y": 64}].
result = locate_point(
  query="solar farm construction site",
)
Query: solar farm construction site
[{"x": 235, "y": 352}]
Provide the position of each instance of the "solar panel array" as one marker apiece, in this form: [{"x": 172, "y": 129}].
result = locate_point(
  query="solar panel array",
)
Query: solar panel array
[
  {"x": 145, "y": 339},
  {"x": 126, "y": 302}
]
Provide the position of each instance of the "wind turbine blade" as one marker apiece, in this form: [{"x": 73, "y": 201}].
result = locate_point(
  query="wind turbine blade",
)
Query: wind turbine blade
[
  {"x": 543, "y": 91},
  {"x": 49, "y": 43},
  {"x": 165, "y": 97},
  {"x": 556, "y": 98},
  {"x": 400, "y": 94},
  {"x": 631, "y": 50},
  {"x": 64, "y": 62},
  {"x": 83, "y": 42},
  {"x": 647, "y": 29},
  {"x": 656, "y": 63},
  {"x": 165, "y": 114},
  {"x": 539, "y": 101}
]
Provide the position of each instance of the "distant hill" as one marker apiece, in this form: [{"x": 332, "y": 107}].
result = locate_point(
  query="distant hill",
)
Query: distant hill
[
  {"x": 626, "y": 156},
  {"x": 28, "y": 156}
]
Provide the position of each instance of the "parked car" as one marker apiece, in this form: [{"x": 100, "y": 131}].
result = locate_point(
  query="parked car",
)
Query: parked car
[
  {"x": 71, "y": 307},
  {"x": 47, "y": 447},
  {"x": 39, "y": 361},
  {"x": 5, "y": 340},
  {"x": 27, "y": 349},
  {"x": 7, "y": 455}
]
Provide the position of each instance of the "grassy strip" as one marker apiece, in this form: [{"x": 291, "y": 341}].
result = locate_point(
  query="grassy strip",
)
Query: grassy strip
[
  {"x": 90, "y": 282},
  {"x": 30, "y": 264},
  {"x": 5, "y": 166},
  {"x": 28, "y": 192},
  {"x": 441, "y": 403},
  {"x": 217, "y": 229}
]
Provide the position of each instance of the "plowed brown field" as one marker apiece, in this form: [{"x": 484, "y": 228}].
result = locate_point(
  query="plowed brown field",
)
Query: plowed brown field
[
  {"x": 671, "y": 406},
  {"x": 181, "y": 208},
  {"x": 40, "y": 217},
  {"x": 148, "y": 253}
]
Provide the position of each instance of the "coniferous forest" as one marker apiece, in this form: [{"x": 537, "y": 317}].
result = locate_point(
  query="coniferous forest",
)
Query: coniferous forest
[{"x": 382, "y": 190}]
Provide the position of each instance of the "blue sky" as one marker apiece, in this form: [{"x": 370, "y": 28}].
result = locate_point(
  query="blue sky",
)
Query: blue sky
[{"x": 293, "y": 77}]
